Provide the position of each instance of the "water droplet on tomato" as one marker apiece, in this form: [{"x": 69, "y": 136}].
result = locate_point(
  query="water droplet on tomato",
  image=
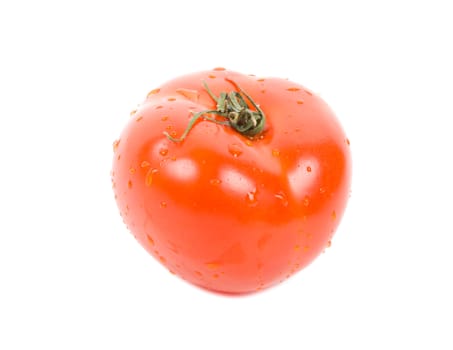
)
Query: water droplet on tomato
[
  {"x": 171, "y": 99},
  {"x": 333, "y": 215},
  {"x": 212, "y": 265},
  {"x": 139, "y": 118},
  {"x": 149, "y": 176},
  {"x": 145, "y": 164},
  {"x": 293, "y": 89},
  {"x": 251, "y": 198},
  {"x": 129, "y": 184},
  {"x": 282, "y": 197},
  {"x": 189, "y": 94},
  {"x": 212, "y": 76},
  {"x": 322, "y": 190},
  {"x": 162, "y": 259},
  {"x": 309, "y": 169},
  {"x": 276, "y": 153},
  {"x": 300, "y": 102},
  {"x": 163, "y": 204},
  {"x": 306, "y": 201},
  {"x": 116, "y": 144},
  {"x": 153, "y": 92},
  {"x": 150, "y": 240},
  {"x": 164, "y": 118},
  {"x": 131, "y": 171},
  {"x": 163, "y": 152},
  {"x": 235, "y": 150},
  {"x": 215, "y": 182}
]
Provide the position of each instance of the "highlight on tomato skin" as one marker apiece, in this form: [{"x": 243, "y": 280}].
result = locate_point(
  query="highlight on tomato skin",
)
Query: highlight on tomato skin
[{"x": 232, "y": 182}]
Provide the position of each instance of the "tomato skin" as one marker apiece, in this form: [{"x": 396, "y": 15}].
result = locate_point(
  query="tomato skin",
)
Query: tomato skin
[{"x": 223, "y": 211}]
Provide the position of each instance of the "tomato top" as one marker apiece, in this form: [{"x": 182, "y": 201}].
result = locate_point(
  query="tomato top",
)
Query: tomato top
[{"x": 226, "y": 210}]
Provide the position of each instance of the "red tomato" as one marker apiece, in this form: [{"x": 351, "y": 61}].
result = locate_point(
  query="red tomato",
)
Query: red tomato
[{"x": 241, "y": 196}]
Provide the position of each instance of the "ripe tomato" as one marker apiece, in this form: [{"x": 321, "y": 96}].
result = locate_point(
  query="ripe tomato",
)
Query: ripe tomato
[{"x": 231, "y": 181}]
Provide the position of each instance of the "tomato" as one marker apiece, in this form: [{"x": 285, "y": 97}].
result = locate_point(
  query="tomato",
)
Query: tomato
[{"x": 231, "y": 181}]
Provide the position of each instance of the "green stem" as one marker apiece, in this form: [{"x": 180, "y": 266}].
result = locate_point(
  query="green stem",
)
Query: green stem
[{"x": 233, "y": 107}]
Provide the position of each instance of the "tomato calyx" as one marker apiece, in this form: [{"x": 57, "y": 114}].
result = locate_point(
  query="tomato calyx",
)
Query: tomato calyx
[{"x": 234, "y": 109}]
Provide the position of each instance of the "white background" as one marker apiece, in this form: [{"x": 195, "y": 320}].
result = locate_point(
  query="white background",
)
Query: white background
[{"x": 72, "y": 277}]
